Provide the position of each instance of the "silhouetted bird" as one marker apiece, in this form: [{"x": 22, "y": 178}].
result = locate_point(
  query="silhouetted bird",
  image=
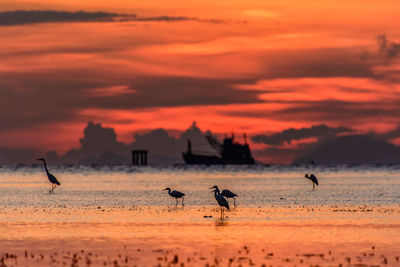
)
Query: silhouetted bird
[
  {"x": 52, "y": 178},
  {"x": 176, "y": 195},
  {"x": 228, "y": 194},
  {"x": 222, "y": 202},
  {"x": 313, "y": 179}
]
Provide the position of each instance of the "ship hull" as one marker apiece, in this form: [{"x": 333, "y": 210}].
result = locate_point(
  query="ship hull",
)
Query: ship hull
[{"x": 195, "y": 159}]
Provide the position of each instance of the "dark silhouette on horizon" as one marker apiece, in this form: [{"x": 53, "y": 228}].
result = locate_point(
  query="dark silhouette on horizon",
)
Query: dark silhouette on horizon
[
  {"x": 353, "y": 149},
  {"x": 139, "y": 157},
  {"x": 313, "y": 179},
  {"x": 53, "y": 180},
  {"x": 99, "y": 145},
  {"x": 222, "y": 202},
  {"x": 176, "y": 195},
  {"x": 227, "y": 194}
]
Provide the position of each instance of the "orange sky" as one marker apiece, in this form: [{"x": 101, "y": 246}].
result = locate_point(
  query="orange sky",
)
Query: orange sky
[{"x": 254, "y": 66}]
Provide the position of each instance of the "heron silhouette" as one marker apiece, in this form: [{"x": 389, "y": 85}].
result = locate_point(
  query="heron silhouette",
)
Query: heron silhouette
[
  {"x": 227, "y": 194},
  {"x": 53, "y": 180},
  {"x": 313, "y": 179},
  {"x": 176, "y": 195},
  {"x": 222, "y": 202}
]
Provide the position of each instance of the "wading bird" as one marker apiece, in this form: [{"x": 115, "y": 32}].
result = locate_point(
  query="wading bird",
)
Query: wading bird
[
  {"x": 222, "y": 202},
  {"x": 228, "y": 194},
  {"x": 313, "y": 179},
  {"x": 176, "y": 195},
  {"x": 53, "y": 180}
]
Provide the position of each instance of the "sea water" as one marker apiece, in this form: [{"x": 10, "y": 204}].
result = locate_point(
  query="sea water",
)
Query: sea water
[
  {"x": 121, "y": 216},
  {"x": 256, "y": 186}
]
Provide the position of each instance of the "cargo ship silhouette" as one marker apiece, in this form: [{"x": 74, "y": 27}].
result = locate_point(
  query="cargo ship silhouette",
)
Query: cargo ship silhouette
[{"x": 229, "y": 152}]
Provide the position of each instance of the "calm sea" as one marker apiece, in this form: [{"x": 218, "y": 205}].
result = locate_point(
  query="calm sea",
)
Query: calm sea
[{"x": 256, "y": 186}]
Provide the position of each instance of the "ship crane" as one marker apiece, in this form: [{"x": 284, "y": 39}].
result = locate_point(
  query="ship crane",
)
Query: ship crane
[{"x": 214, "y": 142}]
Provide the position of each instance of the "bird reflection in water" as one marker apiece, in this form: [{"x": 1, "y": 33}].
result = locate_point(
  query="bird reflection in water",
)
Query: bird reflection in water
[{"x": 221, "y": 222}]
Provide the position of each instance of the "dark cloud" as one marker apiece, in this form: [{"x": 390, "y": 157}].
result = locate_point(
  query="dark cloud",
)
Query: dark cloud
[
  {"x": 344, "y": 112},
  {"x": 334, "y": 145},
  {"x": 20, "y": 17},
  {"x": 323, "y": 62},
  {"x": 388, "y": 48},
  {"x": 287, "y": 136},
  {"x": 99, "y": 145},
  {"x": 276, "y": 152},
  {"x": 335, "y": 111},
  {"x": 16, "y": 155},
  {"x": 177, "y": 19},
  {"x": 331, "y": 147},
  {"x": 46, "y": 99},
  {"x": 387, "y": 136}
]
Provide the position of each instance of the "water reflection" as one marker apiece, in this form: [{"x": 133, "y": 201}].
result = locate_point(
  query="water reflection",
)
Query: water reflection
[{"x": 221, "y": 222}]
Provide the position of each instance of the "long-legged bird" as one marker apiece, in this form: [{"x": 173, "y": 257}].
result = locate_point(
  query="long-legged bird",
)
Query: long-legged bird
[
  {"x": 227, "y": 193},
  {"x": 176, "y": 195},
  {"x": 313, "y": 179},
  {"x": 222, "y": 202},
  {"x": 53, "y": 180}
]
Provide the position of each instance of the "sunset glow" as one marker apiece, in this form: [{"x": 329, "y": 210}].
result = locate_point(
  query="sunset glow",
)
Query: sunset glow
[{"x": 256, "y": 66}]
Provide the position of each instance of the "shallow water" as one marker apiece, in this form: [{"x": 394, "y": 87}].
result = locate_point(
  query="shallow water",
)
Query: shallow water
[
  {"x": 120, "y": 216},
  {"x": 256, "y": 186}
]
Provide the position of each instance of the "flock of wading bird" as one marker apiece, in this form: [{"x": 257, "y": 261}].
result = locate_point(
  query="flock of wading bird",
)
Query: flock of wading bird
[{"x": 220, "y": 197}]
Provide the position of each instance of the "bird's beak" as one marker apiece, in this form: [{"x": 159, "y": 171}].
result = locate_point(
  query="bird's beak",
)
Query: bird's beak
[
  {"x": 164, "y": 189},
  {"x": 38, "y": 159},
  {"x": 211, "y": 187}
]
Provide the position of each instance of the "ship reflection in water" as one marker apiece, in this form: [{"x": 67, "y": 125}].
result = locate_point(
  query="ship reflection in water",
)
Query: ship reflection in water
[{"x": 229, "y": 152}]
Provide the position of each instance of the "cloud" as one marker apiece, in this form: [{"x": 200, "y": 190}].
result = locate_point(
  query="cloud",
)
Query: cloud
[
  {"x": 99, "y": 145},
  {"x": 49, "y": 100},
  {"x": 288, "y": 135},
  {"x": 288, "y": 144},
  {"x": 343, "y": 112},
  {"x": 16, "y": 155},
  {"x": 21, "y": 17},
  {"x": 387, "y": 48}
]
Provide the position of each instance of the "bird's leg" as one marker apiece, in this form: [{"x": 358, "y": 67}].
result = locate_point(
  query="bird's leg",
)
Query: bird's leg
[
  {"x": 234, "y": 202},
  {"x": 176, "y": 201},
  {"x": 182, "y": 201},
  {"x": 313, "y": 186}
]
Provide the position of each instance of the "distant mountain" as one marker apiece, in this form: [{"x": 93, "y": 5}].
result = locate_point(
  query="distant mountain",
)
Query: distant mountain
[{"x": 353, "y": 149}]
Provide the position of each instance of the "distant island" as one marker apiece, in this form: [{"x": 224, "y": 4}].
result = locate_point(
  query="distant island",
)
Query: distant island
[{"x": 353, "y": 149}]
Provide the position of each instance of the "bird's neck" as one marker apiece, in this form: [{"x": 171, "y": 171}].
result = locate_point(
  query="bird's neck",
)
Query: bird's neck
[
  {"x": 169, "y": 192},
  {"x": 45, "y": 166},
  {"x": 216, "y": 192}
]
